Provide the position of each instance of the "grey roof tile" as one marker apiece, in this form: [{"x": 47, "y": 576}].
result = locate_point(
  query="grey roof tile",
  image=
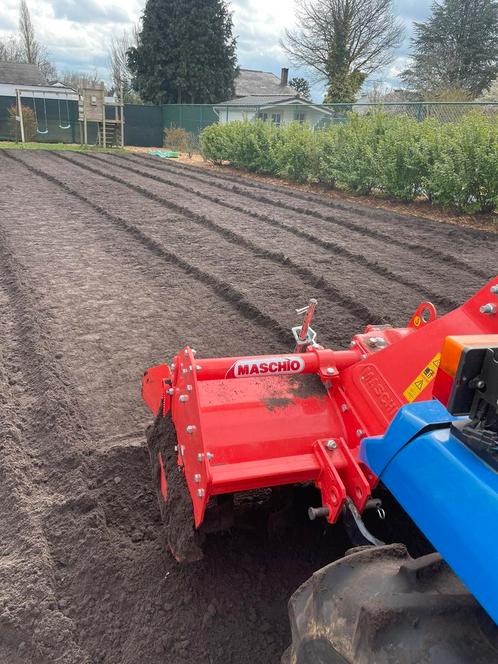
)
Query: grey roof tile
[
  {"x": 252, "y": 82},
  {"x": 258, "y": 100},
  {"x": 16, "y": 73}
]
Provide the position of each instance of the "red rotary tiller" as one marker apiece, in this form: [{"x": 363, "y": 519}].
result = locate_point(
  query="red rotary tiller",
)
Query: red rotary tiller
[{"x": 244, "y": 423}]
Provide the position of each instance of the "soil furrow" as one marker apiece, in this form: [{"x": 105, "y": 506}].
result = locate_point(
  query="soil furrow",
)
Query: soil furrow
[
  {"x": 356, "y": 308},
  {"x": 106, "y": 586},
  {"x": 222, "y": 288},
  {"x": 332, "y": 247},
  {"x": 255, "y": 274},
  {"x": 171, "y": 302},
  {"x": 102, "y": 276},
  {"x": 53, "y": 406},
  {"x": 449, "y": 235},
  {"x": 34, "y": 480},
  {"x": 340, "y": 271},
  {"x": 399, "y": 300}
]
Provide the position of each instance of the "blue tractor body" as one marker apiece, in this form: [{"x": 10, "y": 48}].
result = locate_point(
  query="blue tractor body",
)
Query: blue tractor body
[{"x": 449, "y": 491}]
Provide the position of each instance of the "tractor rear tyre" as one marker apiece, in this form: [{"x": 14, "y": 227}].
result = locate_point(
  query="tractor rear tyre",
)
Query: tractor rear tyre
[
  {"x": 175, "y": 504},
  {"x": 378, "y": 605}
]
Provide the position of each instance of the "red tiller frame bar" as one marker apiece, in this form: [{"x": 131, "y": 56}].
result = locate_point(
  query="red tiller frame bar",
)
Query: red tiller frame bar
[
  {"x": 249, "y": 422},
  {"x": 316, "y": 361}
]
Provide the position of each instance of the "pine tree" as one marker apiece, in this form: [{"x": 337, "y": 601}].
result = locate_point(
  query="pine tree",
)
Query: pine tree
[
  {"x": 185, "y": 52},
  {"x": 301, "y": 86},
  {"x": 456, "y": 49}
]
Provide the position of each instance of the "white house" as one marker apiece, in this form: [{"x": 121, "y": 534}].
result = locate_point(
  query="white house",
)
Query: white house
[
  {"x": 272, "y": 108},
  {"x": 263, "y": 95}
]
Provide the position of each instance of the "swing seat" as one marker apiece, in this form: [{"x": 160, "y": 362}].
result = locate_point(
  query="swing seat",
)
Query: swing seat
[
  {"x": 38, "y": 130},
  {"x": 68, "y": 123}
]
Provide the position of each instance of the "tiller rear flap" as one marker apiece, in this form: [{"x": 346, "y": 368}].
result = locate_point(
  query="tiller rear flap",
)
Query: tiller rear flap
[{"x": 248, "y": 422}]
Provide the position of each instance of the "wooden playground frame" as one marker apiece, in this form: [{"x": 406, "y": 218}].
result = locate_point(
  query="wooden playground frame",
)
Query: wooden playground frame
[{"x": 92, "y": 107}]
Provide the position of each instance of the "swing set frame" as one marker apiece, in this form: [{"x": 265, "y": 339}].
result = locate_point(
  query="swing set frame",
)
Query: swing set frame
[{"x": 44, "y": 92}]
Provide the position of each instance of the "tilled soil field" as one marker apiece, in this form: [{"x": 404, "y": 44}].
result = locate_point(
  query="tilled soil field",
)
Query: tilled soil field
[{"x": 109, "y": 264}]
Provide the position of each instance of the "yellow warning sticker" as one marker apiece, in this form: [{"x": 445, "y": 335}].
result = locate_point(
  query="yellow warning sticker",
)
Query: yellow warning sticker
[{"x": 425, "y": 377}]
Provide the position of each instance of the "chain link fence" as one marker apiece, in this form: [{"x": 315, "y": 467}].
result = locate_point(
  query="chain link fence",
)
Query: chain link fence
[
  {"x": 191, "y": 117},
  {"x": 324, "y": 115},
  {"x": 145, "y": 125},
  {"x": 441, "y": 111}
]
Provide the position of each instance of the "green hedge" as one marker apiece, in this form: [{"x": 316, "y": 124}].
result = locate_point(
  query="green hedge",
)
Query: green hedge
[{"x": 454, "y": 165}]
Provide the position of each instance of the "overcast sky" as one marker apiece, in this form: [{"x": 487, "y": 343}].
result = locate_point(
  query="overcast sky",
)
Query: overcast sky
[{"x": 77, "y": 32}]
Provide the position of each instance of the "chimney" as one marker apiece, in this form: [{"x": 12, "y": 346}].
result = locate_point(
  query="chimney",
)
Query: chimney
[{"x": 284, "y": 77}]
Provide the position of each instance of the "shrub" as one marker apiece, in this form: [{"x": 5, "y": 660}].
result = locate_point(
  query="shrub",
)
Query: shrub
[
  {"x": 465, "y": 173},
  {"x": 214, "y": 142},
  {"x": 327, "y": 151},
  {"x": 249, "y": 145},
  {"x": 296, "y": 153},
  {"x": 29, "y": 123},
  {"x": 192, "y": 144},
  {"x": 176, "y": 138},
  {"x": 455, "y": 165},
  {"x": 354, "y": 163},
  {"x": 402, "y": 158},
  {"x": 254, "y": 146}
]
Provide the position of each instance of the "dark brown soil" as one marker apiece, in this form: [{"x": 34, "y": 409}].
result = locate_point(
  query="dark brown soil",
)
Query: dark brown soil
[
  {"x": 109, "y": 264},
  {"x": 420, "y": 207}
]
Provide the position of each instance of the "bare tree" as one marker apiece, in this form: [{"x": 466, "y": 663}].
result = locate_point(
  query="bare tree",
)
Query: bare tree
[
  {"x": 30, "y": 50},
  {"x": 30, "y": 45},
  {"x": 78, "y": 79},
  {"x": 378, "y": 93},
  {"x": 343, "y": 42},
  {"x": 118, "y": 65},
  {"x": 10, "y": 50},
  {"x": 491, "y": 94}
]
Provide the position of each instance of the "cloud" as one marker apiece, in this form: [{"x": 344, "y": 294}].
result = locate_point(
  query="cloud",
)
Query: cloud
[
  {"x": 8, "y": 23},
  {"x": 9, "y": 16},
  {"x": 77, "y": 32},
  {"x": 412, "y": 10},
  {"x": 79, "y": 49},
  {"x": 260, "y": 25},
  {"x": 89, "y": 11}
]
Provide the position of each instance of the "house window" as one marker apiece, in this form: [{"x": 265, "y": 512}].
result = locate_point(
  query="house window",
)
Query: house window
[
  {"x": 300, "y": 117},
  {"x": 275, "y": 118},
  {"x": 263, "y": 116}
]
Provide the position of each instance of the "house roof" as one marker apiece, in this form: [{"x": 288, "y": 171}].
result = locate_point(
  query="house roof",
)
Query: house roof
[
  {"x": 16, "y": 73},
  {"x": 253, "y": 82},
  {"x": 59, "y": 84},
  {"x": 259, "y": 100},
  {"x": 269, "y": 101}
]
